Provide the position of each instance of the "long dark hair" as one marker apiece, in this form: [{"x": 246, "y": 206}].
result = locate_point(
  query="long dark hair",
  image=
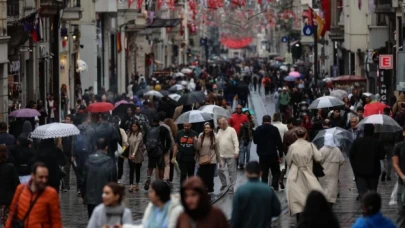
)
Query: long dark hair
[
  {"x": 204, "y": 205},
  {"x": 212, "y": 135},
  {"x": 137, "y": 132}
]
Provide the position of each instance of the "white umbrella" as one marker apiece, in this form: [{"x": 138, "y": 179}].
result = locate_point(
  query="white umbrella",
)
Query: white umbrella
[
  {"x": 382, "y": 123},
  {"x": 186, "y": 71},
  {"x": 81, "y": 66},
  {"x": 55, "y": 130},
  {"x": 176, "y": 87},
  {"x": 174, "y": 96},
  {"x": 178, "y": 74},
  {"x": 327, "y": 79},
  {"x": 153, "y": 93},
  {"x": 194, "y": 116},
  {"x": 215, "y": 110},
  {"x": 367, "y": 94},
  {"x": 339, "y": 93},
  {"x": 283, "y": 68},
  {"x": 326, "y": 102}
]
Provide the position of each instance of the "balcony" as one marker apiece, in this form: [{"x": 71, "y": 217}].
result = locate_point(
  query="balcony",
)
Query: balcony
[
  {"x": 13, "y": 10},
  {"x": 384, "y": 7},
  {"x": 51, "y": 7},
  {"x": 337, "y": 33},
  {"x": 72, "y": 12},
  {"x": 106, "y": 6}
]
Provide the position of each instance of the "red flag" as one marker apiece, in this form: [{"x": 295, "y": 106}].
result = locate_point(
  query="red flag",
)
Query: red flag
[
  {"x": 130, "y": 3},
  {"x": 170, "y": 4},
  {"x": 159, "y": 4},
  {"x": 139, "y": 4},
  {"x": 325, "y": 4}
]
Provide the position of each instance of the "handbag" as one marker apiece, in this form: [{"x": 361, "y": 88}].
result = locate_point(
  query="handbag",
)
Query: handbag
[
  {"x": 17, "y": 223},
  {"x": 317, "y": 168},
  {"x": 205, "y": 159}
]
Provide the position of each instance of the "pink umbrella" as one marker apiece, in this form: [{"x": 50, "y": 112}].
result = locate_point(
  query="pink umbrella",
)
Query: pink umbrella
[
  {"x": 295, "y": 74},
  {"x": 120, "y": 102}
]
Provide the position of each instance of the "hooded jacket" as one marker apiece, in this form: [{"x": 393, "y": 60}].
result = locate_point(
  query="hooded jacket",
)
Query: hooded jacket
[
  {"x": 175, "y": 209},
  {"x": 268, "y": 140},
  {"x": 91, "y": 134},
  {"x": 98, "y": 172}
]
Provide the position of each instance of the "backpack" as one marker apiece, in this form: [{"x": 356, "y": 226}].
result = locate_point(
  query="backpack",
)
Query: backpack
[
  {"x": 153, "y": 143},
  {"x": 82, "y": 142}
]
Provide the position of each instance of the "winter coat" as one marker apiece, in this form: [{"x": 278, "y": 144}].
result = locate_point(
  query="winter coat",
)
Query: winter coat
[
  {"x": 23, "y": 159},
  {"x": 8, "y": 182},
  {"x": 377, "y": 220},
  {"x": 237, "y": 120},
  {"x": 27, "y": 129},
  {"x": 332, "y": 161},
  {"x": 102, "y": 215},
  {"x": 90, "y": 134},
  {"x": 98, "y": 172},
  {"x": 136, "y": 147},
  {"x": 301, "y": 180},
  {"x": 108, "y": 132},
  {"x": 268, "y": 140}
]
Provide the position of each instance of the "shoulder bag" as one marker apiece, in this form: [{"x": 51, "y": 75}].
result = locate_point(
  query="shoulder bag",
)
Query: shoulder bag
[
  {"x": 317, "y": 168},
  {"x": 17, "y": 223}
]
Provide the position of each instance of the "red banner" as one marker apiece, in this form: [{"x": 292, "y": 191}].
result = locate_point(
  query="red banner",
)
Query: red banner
[
  {"x": 326, "y": 16},
  {"x": 170, "y": 4},
  {"x": 130, "y": 3},
  {"x": 139, "y": 4},
  {"x": 159, "y": 4}
]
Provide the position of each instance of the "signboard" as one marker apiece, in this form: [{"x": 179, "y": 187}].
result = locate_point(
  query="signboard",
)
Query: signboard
[
  {"x": 307, "y": 30},
  {"x": 284, "y": 39},
  {"x": 383, "y": 88},
  {"x": 386, "y": 62},
  {"x": 400, "y": 75}
]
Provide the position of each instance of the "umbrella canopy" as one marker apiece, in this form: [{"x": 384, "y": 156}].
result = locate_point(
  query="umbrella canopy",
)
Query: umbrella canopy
[
  {"x": 25, "y": 113},
  {"x": 349, "y": 78},
  {"x": 100, "y": 107},
  {"x": 290, "y": 78},
  {"x": 153, "y": 93},
  {"x": 295, "y": 74},
  {"x": 164, "y": 92},
  {"x": 55, "y": 130},
  {"x": 193, "y": 116},
  {"x": 141, "y": 92},
  {"x": 339, "y": 93},
  {"x": 276, "y": 65},
  {"x": 176, "y": 87},
  {"x": 120, "y": 102},
  {"x": 215, "y": 110},
  {"x": 186, "y": 71},
  {"x": 341, "y": 138},
  {"x": 283, "y": 68},
  {"x": 121, "y": 110},
  {"x": 382, "y": 123},
  {"x": 250, "y": 111},
  {"x": 174, "y": 96},
  {"x": 367, "y": 94},
  {"x": 374, "y": 108},
  {"x": 178, "y": 74},
  {"x": 191, "y": 98},
  {"x": 326, "y": 102}
]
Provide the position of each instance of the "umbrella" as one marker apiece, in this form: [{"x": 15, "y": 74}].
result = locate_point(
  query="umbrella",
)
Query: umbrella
[
  {"x": 250, "y": 111},
  {"x": 276, "y": 65},
  {"x": 215, "y": 110},
  {"x": 120, "y": 102},
  {"x": 25, "y": 113},
  {"x": 374, "y": 108},
  {"x": 81, "y": 66},
  {"x": 141, "y": 92},
  {"x": 295, "y": 74},
  {"x": 367, "y": 94},
  {"x": 153, "y": 93},
  {"x": 327, "y": 80},
  {"x": 176, "y": 87},
  {"x": 341, "y": 137},
  {"x": 100, "y": 107},
  {"x": 55, "y": 130},
  {"x": 283, "y": 68},
  {"x": 382, "y": 123},
  {"x": 193, "y": 116},
  {"x": 186, "y": 71},
  {"x": 191, "y": 98},
  {"x": 121, "y": 109},
  {"x": 326, "y": 102},
  {"x": 178, "y": 74},
  {"x": 164, "y": 92},
  {"x": 174, "y": 97},
  {"x": 290, "y": 79},
  {"x": 339, "y": 93}
]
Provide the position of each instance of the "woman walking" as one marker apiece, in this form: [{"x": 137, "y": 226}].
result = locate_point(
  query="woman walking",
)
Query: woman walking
[
  {"x": 112, "y": 212},
  {"x": 208, "y": 155},
  {"x": 135, "y": 159},
  {"x": 173, "y": 127},
  {"x": 301, "y": 180}
]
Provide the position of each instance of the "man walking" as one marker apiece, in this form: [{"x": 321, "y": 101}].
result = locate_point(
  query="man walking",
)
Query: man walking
[
  {"x": 185, "y": 152},
  {"x": 67, "y": 143},
  {"x": 237, "y": 119},
  {"x": 254, "y": 203},
  {"x": 166, "y": 176},
  {"x": 228, "y": 146},
  {"x": 270, "y": 150}
]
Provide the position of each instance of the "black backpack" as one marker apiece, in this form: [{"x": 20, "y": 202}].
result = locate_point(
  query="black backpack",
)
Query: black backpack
[{"x": 153, "y": 143}]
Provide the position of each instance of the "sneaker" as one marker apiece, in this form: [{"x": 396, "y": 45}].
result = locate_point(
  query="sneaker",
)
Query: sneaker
[
  {"x": 383, "y": 175},
  {"x": 146, "y": 187},
  {"x": 137, "y": 187},
  {"x": 222, "y": 188}
]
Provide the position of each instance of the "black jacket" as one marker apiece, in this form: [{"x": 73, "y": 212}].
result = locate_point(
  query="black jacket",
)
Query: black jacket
[
  {"x": 8, "y": 183},
  {"x": 23, "y": 159},
  {"x": 365, "y": 155},
  {"x": 268, "y": 140}
]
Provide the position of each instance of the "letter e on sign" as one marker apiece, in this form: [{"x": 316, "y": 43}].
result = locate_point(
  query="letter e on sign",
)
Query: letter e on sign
[{"x": 386, "y": 62}]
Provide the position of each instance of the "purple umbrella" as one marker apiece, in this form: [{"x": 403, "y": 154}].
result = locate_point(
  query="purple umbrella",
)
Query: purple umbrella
[
  {"x": 25, "y": 113},
  {"x": 121, "y": 102}
]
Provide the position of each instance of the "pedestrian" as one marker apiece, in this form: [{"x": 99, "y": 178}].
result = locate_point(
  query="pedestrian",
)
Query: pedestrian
[
  {"x": 23, "y": 156},
  {"x": 282, "y": 128},
  {"x": 365, "y": 155},
  {"x": 67, "y": 143},
  {"x": 398, "y": 163},
  {"x": 185, "y": 152},
  {"x": 208, "y": 155},
  {"x": 301, "y": 180},
  {"x": 317, "y": 213},
  {"x": 98, "y": 172},
  {"x": 163, "y": 209},
  {"x": 332, "y": 161},
  {"x": 167, "y": 159},
  {"x": 174, "y": 130},
  {"x": 9, "y": 181},
  {"x": 372, "y": 216},
  {"x": 52, "y": 156},
  {"x": 228, "y": 147},
  {"x": 198, "y": 210},
  {"x": 237, "y": 119},
  {"x": 288, "y": 139},
  {"x": 157, "y": 144},
  {"x": 6, "y": 138},
  {"x": 111, "y": 212},
  {"x": 255, "y": 79},
  {"x": 35, "y": 204},
  {"x": 254, "y": 203},
  {"x": 284, "y": 101},
  {"x": 270, "y": 150},
  {"x": 136, "y": 157},
  {"x": 245, "y": 138}
]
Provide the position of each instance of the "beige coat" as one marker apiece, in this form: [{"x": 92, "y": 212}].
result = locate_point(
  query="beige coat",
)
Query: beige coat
[
  {"x": 331, "y": 162},
  {"x": 301, "y": 181},
  {"x": 136, "y": 148}
]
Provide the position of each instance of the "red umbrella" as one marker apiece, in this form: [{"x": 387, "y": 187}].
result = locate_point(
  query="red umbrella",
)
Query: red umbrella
[
  {"x": 100, "y": 107},
  {"x": 374, "y": 108}
]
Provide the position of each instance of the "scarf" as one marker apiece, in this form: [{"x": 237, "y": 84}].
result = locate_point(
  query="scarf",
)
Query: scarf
[
  {"x": 158, "y": 217},
  {"x": 113, "y": 215}
]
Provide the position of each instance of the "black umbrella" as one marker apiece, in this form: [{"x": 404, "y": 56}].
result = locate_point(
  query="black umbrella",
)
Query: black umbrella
[
  {"x": 121, "y": 109},
  {"x": 191, "y": 98},
  {"x": 141, "y": 92},
  {"x": 164, "y": 92}
]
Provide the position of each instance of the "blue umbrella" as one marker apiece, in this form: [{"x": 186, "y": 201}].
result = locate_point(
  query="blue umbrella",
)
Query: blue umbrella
[
  {"x": 250, "y": 111},
  {"x": 276, "y": 65},
  {"x": 290, "y": 79}
]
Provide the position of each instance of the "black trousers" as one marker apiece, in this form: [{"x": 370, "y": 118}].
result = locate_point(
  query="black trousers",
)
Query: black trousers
[
  {"x": 81, "y": 161},
  {"x": 207, "y": 172},
  {"x": 274, "y": 166},
  {"x": 134, "y": 167},
  {"x": 186, "y": 170},
  {"x": 255, "y": 86},
  {"x": 90, "y": 209},
  {"x": 171, "y": 173},
  {"x": 120, "y": 167},
  {"x": 365, "y": 184}
]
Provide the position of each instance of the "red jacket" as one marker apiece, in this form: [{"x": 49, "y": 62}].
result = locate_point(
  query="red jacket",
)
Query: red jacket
[{"x": 236, "y": 121}]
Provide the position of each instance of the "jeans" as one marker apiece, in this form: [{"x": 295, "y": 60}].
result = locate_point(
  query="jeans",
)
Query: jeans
[
  {"x": 231, "y": 164},
  {"x": 244, "y": 152},
  {"x": 274, "y": 166},
  {"x": 134, "y": 167},
  {"x": 186, "y": 170},
  {"x": 365, "y": 184},
  {"x": 207, "y": 172},
  {"x": 120, "y": 167}
]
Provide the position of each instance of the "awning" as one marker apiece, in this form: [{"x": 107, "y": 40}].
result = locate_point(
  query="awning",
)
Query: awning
[{"x": 164, "y": 23}]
